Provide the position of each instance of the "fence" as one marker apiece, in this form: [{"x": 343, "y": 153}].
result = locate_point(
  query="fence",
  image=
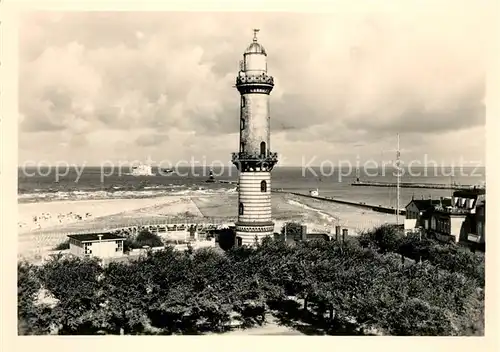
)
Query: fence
[{"x": 39, "y": 242}]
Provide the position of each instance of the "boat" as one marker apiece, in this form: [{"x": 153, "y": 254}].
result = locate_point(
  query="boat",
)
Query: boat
[
  {"x": 166, "y": 171},
  {"x": 142, "y": 170}
]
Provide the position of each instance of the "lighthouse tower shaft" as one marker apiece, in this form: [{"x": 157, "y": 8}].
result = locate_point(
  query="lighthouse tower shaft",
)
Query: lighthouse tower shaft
[{"x": 254, "y": 159}]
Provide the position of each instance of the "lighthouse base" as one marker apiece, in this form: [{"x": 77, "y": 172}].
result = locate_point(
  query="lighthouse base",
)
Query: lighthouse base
[{"x": 249, "y": 234}]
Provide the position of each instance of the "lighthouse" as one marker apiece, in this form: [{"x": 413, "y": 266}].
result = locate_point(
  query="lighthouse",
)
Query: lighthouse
[{"x": 254, "y": 160}]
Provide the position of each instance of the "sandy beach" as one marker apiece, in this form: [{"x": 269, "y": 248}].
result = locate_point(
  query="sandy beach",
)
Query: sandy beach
[
  {"x": 61, "y": 213},
  {"x": 54, "y": 220}
]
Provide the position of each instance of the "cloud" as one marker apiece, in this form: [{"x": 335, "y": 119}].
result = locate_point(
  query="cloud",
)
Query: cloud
[
  {"x": 339, "y": 78},
  {"x": 151, "y": 139}
]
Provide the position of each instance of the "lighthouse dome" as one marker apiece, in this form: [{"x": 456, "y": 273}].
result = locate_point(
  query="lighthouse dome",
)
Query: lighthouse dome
[{"x": 255, "y": 48}]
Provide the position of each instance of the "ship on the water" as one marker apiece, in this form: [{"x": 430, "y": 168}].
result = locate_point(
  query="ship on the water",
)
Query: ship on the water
[
  {"x": 142, "y": 170},
  {"x": 167, "y": 171}
]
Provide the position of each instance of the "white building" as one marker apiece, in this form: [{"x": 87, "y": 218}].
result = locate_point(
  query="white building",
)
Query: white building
[{"x": 101, "y": 245}]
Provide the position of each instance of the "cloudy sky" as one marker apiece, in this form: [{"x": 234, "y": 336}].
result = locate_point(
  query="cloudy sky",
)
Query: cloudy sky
[{"x": 125, "y": 86}]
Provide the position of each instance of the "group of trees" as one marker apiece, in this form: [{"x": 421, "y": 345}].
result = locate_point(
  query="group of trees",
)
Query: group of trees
[
  {"x": 351, "y": 287},
  {"x": 143, "y": 239},
  {"x": 449, "y": 256}
]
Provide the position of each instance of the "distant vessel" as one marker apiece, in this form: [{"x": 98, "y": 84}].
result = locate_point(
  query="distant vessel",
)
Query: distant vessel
[
  {"x": 167, "y": 171},
  {"x": 142, "y": 170}
]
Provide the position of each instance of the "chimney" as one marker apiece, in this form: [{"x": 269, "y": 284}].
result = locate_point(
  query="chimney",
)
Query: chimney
[
  {"x": 337, "y": 233},
  {"x": 344, "y": 234},
  {"x": 303, "y": 232}
]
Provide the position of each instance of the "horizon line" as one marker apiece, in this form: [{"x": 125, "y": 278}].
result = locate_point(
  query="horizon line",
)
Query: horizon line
[{"x": 232, "y": 166}]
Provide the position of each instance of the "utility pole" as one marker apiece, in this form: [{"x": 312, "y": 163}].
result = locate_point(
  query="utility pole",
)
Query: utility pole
[
  {"x": 398, "y": 154},
  {"x": 420, "y": 242}
]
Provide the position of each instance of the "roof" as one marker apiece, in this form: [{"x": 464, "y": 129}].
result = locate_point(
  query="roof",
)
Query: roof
[
  {"x": 90, "y": 237},
  {"x": 311, "y": 236},
  {"x": 452, "y": 212},
  {"x": 469, "y": 193},
  {"x": 255, "y": 48},
  {"x": 424, "y": 204}
]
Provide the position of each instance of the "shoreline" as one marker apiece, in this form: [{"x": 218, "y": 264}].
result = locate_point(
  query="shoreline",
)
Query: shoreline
[
  {"x": 94, "y": 195},
  {"x": 106, "y": 214}
]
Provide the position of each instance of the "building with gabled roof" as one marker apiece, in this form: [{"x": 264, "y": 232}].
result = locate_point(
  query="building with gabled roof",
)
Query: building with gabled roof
[
  {"x": 417, "y": 212},
  {"x": 456, "y": 219}
]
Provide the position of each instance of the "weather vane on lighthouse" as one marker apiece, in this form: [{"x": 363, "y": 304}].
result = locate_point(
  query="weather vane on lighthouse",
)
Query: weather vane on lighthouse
[{"x": 255, "y": 31}]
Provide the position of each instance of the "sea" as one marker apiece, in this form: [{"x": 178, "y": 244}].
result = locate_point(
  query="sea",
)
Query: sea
[{"x": 50, "y": 184}]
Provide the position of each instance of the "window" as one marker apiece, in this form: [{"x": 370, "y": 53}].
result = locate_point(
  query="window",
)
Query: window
[
  {"x": 242, "y": 102},
  {"x": 87, "y": 248},
  {"x": 263, "y": 186},
  {"x": 262, "y": 148},
  {"x": 242, "y": 147},
  {"x": 240, "y": 209},
  {"x": 242, "y": 123},
  {"x": 119, "y": 246}
]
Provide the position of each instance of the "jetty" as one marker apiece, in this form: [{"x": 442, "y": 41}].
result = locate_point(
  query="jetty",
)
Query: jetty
[
  {"x": 377, "y": 208},
  {"x": 412, "y": 185}
]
